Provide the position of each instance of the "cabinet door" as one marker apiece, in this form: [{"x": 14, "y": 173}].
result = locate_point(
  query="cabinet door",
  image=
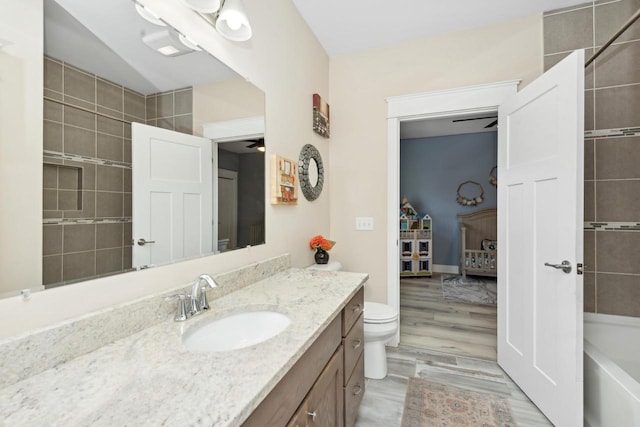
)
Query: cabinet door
[{"x": 324, "y": 402}]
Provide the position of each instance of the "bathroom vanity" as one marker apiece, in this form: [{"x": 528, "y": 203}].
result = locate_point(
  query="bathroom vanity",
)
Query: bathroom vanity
[{"x": 150, "y": 378}]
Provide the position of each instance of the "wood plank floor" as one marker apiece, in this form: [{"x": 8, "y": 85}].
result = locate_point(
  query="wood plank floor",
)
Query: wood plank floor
[
  {"x": 447, "y": 342},
  {"x": 429, "y": 322}
]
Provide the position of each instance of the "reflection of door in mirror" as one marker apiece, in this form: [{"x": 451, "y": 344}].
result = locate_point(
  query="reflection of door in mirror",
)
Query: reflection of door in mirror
[
  {"x": 172, "y": 196},
  {"x": 313, "y": 172}
]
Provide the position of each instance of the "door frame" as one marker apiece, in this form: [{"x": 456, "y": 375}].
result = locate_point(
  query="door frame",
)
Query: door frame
[
  {"x": 444, "y": 103},
  {"x": 233, "y": 176}
]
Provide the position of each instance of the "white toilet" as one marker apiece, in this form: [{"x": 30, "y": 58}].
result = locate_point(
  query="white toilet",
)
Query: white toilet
[{"x": 380, "y": 324}]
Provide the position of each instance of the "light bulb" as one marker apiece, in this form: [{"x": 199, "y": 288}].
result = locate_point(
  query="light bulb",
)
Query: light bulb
[{"x": 234, "y": 22}]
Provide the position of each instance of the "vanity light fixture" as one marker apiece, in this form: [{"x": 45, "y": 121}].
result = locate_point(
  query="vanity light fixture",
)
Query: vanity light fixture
[
  {"x": 230, "y": 19},
  {"x": 148, "y": 15},
  {"x": 203, "y": 6}
]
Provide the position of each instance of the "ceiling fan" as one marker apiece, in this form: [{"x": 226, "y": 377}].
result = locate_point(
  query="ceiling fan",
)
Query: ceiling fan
[
  {"x": 257, "y": 143},
  {"x": 490, "y": 125}
]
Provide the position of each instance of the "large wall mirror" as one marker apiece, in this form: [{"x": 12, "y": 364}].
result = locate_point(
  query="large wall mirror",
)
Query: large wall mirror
[{"x": 110, "y": 207}]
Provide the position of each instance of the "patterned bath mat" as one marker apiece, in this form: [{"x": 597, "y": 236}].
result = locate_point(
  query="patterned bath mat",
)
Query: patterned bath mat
[
  {"x": 433, "y": 404},
  {"x": 473, "y": 290}
]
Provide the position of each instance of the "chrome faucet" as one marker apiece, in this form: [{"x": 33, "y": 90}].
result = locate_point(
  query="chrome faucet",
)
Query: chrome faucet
[
  {"x": 199, "y": 294},
  {"x": 197, "y": 298}
]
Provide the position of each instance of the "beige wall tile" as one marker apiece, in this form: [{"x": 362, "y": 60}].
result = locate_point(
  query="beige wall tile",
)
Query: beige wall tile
[
  {"x": 183, "y": 102},
  {"x": 589, "y": 161},
  {"x": 618, "y": 65},
  {"x": 52, "y": 111},
  {"x": 87, "y": 206},
  {"x": 108, "y": 205},
  {"x": 618, "y": 158},
  {"x": 184, "y": 124},
  {"x": 589, "y": 201},
  {"x": 617, "y": 107},
  {"x": 110, "y": 126},
  {"x": 589, "y": 292},
  {"x": 109, "y": 95},
  {"x": 165, "y": 105},
  {"x": 79, "y": 141},
  {"x": 79, "y": 84},
  {"x": 52, "y": 136},
  {"x": 51, "y": 239},
  {"x": 52, "y": 74},
  {"x": 589, "y": 101},
  {"x": 568, "y": 31},
  {"x": 617, "y": 201},
  {"x": 51, "y": 269},
  {"x": 589, "y": 250},
  {"x": 108, "y": 261},
  {"x": 618, "y": 294},
  {"x": 78, "y": 265},
  {"x": 49, "y": 176},
  {"x": 151, "y": 109},
  {"x": 109, "y": 147},
  {"x": 109, "y": 235},
  {"x": 68, "y": 200},
  {"x": 79, "y": 118},
  {"x": 79, "y": 237},
  {"x": 49, "y": 200},
  {"x": 109, "y": 178},
  {"x": 135, "y": 105},
  {"x": 617, "y": 251},
  {"x": 610, "y": 17}
]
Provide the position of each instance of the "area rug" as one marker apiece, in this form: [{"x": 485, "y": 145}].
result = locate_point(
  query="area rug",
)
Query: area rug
[
  {"x": 432, "y": 404},
  {"x": 473, "y": 290}
]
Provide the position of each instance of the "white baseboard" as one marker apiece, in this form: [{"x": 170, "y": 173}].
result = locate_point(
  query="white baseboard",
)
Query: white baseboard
[{"x": 448, "y": 269}]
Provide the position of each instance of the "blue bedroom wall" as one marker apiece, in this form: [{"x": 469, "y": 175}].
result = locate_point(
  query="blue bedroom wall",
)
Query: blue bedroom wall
[{"x": 431, "y": 170}]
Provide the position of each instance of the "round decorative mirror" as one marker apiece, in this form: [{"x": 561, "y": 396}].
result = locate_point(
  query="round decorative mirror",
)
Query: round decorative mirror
[{"x": 311, "y": 172}]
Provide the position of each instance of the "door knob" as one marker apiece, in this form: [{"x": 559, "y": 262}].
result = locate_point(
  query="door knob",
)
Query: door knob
[
  {"x": 565, "y": 266},
  {"x": 143, "y": 242}
]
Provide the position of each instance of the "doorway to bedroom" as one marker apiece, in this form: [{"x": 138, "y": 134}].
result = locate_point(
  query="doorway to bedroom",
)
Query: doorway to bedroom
[{"x": 448, "y": 289}]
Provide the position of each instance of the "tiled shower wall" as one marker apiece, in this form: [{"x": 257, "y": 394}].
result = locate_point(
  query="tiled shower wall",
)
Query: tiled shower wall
[
  {"x": 612, "y": 148},
  {"x": 87, "y": 169}
]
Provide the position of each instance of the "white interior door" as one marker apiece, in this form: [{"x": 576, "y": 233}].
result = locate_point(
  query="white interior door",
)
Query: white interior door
[
  {"x": 172, "y": 193},
  {"x": 540, "y": 220}
]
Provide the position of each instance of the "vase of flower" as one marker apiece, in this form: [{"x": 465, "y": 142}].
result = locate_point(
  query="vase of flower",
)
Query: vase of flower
[
  {"x": 321, "y": 256},
  {"x": 321, "y": 246}
]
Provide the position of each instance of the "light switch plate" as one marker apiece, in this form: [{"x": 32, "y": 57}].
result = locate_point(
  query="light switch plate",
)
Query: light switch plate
[{"x": 364, "y": 223}]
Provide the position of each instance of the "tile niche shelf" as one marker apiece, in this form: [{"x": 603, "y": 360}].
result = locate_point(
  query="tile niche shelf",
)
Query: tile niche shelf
[{"x": 416, "y": 245}]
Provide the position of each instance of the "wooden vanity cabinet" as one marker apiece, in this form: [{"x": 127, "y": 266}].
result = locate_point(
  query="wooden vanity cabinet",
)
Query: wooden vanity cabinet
[
  {"x": 327, "y": 381},
  {"x": 323, "y": 406},
  {"x": 353, "y": 343}
]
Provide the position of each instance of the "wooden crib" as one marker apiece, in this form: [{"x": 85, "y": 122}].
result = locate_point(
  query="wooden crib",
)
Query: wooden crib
[{"x": 478, "y": 243}]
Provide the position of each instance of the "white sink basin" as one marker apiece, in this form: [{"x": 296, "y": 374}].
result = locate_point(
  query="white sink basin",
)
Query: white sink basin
[{"x": 235, "y": 331}]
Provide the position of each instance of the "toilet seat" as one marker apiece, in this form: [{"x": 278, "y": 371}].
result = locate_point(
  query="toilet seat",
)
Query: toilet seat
[{"x": 379, "y": 313}]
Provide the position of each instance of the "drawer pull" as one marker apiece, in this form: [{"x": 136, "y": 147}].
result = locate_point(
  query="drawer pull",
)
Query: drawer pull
[
  {"x": 357, "y": 308},
  {"x": 357, "y": 390},
  {"x": 357, "y": 343},
  {"x": 313, "y": 415}
]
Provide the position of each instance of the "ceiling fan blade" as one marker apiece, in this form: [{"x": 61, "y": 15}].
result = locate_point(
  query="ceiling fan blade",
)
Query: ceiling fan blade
[
  {"x": 257, "y": 143},
  {"x": 492, "y": 124},
  {"x": 474, "y": 118}
]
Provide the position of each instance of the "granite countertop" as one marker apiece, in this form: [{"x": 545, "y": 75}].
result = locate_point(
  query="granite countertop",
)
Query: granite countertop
[{"x": 149, "y": 378}]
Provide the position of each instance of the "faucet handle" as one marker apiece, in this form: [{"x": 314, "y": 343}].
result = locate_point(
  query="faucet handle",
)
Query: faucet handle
[{"x": 181, "y": 314}]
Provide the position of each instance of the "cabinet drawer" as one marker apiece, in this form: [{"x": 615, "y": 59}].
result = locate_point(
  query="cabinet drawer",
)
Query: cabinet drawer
[
  {"x": 353, "y": 393},
  {"x": 353, "y": 345},
  {"x": 352, "y": 311}
]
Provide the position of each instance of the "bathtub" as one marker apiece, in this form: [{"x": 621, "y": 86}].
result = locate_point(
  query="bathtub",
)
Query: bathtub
[{"x": 611, "y": 370}]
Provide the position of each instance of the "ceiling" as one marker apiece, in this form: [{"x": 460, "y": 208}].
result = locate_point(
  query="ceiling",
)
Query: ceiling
[
  {"x": 345, "y": 27},
  {"x": 348, "y": 26}
]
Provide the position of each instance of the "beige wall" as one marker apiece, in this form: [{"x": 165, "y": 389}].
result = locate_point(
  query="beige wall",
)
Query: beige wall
[
  {"x": 283, "y": 59},
  {"x": 20, "y": 145},
  {"x": 359, "y": 85},
  {"x": 226, "y": 100}
]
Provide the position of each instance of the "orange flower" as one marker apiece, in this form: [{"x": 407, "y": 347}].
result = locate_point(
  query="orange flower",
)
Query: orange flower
[{"x": 320, "y": 242}]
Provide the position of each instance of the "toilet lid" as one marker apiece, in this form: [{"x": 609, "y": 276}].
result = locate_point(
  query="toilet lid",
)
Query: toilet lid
[{"x": 375, "y": 312}]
